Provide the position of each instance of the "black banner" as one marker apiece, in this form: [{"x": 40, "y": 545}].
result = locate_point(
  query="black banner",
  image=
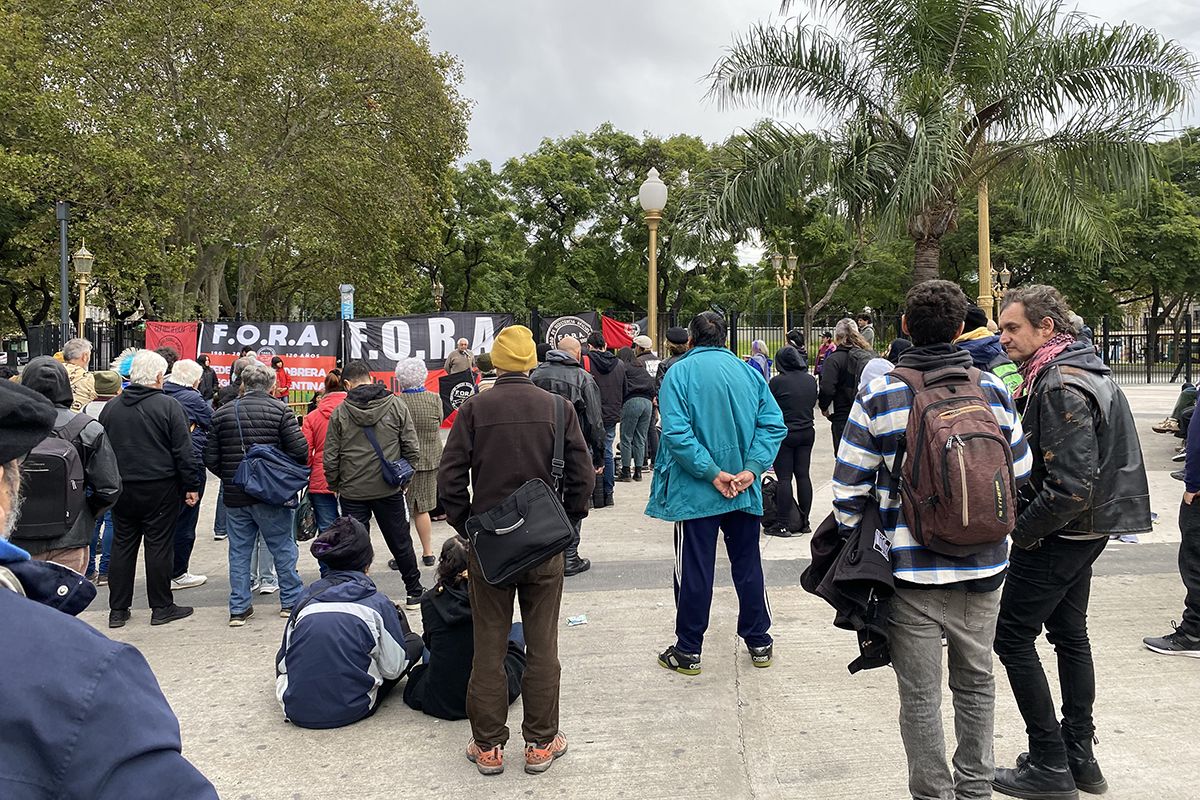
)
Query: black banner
[
  {"x": 456, "y": 389},
  {"x": 308, "y": 349},
  {"x": 577, "y": 326},
  {"x": 431, "y": 337}
]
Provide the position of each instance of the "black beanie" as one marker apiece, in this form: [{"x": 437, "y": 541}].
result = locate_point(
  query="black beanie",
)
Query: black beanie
[
  {"x": 345, "y": 545},
  {"x": 26, "y": 418},
  {"x": 975, "y": 319},
  {"x": 677, "y": 335}
]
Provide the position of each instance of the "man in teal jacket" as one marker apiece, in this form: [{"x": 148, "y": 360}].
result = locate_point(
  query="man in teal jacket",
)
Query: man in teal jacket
[{"x": 721, "y": 428}]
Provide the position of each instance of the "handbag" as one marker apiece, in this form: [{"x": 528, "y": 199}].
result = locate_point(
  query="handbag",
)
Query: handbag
[
  {"x": 305, "y": 524},
  {"x": 266, "y": 474},
  {"x": 528, "y": 527},
  {"x": 395, "y": 473}
]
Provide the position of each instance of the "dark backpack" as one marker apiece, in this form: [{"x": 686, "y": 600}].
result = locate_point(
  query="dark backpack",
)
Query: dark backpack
[
  {"x": 54, "y": 487},
  {"x": 770, "y": 516},
  {"x": 856, "y": 360},
  {"x": 957, "y": 485}
]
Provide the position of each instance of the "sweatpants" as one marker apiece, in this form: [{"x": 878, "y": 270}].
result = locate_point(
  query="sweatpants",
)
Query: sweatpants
[{"x": 695, "y": 562}]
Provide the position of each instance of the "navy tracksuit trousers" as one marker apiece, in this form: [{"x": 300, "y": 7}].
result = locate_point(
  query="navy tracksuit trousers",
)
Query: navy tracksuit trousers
[{"x": 695, "y": 561}]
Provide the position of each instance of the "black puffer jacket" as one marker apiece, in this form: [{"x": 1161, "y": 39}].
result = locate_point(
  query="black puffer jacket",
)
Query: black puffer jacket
[
  {"x": 562, "y": 375},
  {"x": 609, "y": 372},
  {"x": 265, "y": 420},
  {"x": 1088, "y": 476}
]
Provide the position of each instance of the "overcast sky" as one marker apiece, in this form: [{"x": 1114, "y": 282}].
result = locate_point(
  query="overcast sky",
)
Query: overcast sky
[{"x": 547, "y": 68}]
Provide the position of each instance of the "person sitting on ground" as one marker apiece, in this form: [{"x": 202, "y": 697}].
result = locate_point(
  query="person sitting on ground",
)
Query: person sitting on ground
[
  {"x": 67, "y": 545},
  {"x": 77, "y": 354},
  {"x": 986, "y": 352},
  {"x": 439, "y": 686},
  {"x": 346, "y": 645},
  {"x": 1183, "y": 406}
]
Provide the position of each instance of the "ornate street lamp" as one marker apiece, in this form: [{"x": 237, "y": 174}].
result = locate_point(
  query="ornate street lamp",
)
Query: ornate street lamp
[
  {"x": 653, "y": 197},
  {"x": 1001, "y": 287},
  {"x": 439, "y": 293},
  {"x": 83, "y": 260}
]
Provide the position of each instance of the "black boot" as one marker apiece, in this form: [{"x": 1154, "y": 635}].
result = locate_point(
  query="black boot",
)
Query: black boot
[
  {"x": 598, "y": 493},
  {"x": 623, "y": 477},
  {"x": 608, "y": 500},
  {"x": 1084, "y": 768},
  {"x": 1032, "y": 781},
  {"x": 637, "y": 474},
  {"x": 575, "y": 565}
]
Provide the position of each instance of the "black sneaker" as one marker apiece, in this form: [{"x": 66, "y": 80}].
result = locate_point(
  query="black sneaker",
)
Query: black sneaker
[
  {"x": 117, "y": 617},
  {"x": 414, "y": 598},
  {"x": 1173, "y": 644},
  {"x": 1179, "y": 475},
  {"x": 1179, "y": 457},
  {"x": 684, "y": 663},
  {"x": 782, "y": 533},
  {"x": 239, "y": 619},
  {"x": 220, "y": 536},
  {"x": 429, "y": 561},
  {"x": 576, "y": 565},
  {"x": 393, "y": 565},
  {"x": 761, "y": 656},
  {"x": 1031, "y": 781},
  {"x": 609, "y": 501},
  {"x": 171, "y": 613}
]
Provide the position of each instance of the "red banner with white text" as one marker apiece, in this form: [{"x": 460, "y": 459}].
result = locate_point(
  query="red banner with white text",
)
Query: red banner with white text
[{"x": 182, "y": 336}]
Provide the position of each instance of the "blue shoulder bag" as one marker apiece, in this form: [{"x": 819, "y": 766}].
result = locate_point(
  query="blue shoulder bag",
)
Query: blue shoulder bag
[
  {"x": 395, "y": 473},
  {"x": 266, "y": 474}
]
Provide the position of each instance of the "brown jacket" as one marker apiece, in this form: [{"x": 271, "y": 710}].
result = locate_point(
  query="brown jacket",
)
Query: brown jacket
[
  {"x": 459, "y": 361},
  {"x": 83, "y": 386},
  {"x": 503, "y": 438}
]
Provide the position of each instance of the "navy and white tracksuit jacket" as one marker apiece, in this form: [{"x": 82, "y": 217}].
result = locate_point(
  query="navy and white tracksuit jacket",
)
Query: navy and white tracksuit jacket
[{"x": 337, "y": 652}]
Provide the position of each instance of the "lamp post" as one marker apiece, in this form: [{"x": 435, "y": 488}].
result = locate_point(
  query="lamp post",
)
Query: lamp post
[
  {"x": 62, "y": 213},
  {"x": 1001, "y": 287},
  {"x": 83, "y": 261},
  {"x": 653, "y": 196},
  {"x": 784, "y": 277},
  {"x": 439, "y": 293}
]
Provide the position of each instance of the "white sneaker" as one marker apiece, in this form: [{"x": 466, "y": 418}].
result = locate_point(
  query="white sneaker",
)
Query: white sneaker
[
  {"x": 268, "y": 588},
  {"x": 188, "y": 581}
]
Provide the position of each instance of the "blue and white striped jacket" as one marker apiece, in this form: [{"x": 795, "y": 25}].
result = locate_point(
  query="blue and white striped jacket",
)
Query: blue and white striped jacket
[{"x": 867, "y": 457}]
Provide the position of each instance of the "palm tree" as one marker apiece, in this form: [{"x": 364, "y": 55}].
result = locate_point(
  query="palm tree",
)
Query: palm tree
[{"x": 924, "y": 101}]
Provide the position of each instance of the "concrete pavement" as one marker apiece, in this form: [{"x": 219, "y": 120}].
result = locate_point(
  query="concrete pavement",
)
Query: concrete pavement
[{"x": 804, "y": 728}]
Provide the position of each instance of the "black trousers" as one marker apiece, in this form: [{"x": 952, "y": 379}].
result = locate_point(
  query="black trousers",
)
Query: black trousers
[
  {"x": 791, "y": 464},
  {"x": 1189, "y": 565},
  {"x": 145, "y": 513},
  {"x": 392, "y": 515},
  {"x": 838, "y": 427},
  {"x": 1049, "y": 588}
]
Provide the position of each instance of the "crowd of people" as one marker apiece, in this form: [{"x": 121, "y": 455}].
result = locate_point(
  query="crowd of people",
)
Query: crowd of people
[{"x": 990, "y": 466}]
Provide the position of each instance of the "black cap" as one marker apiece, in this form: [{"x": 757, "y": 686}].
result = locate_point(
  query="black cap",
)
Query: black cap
[
  {"x": 975, "y": 318},
  {"x": 26, "y": 418},
  {"x": 677, "y": 335},
  {"x": 345, "y": 545}
]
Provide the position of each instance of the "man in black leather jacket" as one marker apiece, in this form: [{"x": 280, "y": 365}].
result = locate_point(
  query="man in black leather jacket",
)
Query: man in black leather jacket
[{"x": 1088, "y": 482}]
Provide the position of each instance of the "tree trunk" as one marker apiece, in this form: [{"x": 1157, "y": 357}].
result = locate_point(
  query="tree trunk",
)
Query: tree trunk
[{"x": 927, "y": 257}]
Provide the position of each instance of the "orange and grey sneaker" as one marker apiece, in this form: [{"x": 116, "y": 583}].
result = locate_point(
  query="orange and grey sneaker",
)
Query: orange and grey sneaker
[
  {"x": 488, "y": 762},
  {"x": 539, "y": 757}
]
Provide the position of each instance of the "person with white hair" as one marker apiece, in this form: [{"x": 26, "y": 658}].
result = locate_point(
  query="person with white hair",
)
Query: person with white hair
[
  {"x": 148, "y": 432},
  {"x": 425, "y": 408},
  {"x": 461, "y": 360},
  {"x": 77, "y": 354},
  {"x": 183, "y": 385}
]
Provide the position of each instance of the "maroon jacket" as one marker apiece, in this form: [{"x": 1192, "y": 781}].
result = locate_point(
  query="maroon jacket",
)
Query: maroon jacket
[{"x": 504, "y": 437}]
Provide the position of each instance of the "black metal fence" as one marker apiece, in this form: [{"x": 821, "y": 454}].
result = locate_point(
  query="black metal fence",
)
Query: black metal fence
[
  {"x": 771, "y": 329},
  {"x": 1146, "y": 350},
  {"x": 108, "y": 340}
]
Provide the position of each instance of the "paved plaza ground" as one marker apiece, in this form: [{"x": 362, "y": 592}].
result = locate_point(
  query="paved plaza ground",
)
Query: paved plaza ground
[{"x": 803, "y": 729}]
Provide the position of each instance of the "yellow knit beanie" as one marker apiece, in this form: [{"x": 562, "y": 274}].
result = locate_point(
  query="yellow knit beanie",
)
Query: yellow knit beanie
[{"x": 513, "y": 350}]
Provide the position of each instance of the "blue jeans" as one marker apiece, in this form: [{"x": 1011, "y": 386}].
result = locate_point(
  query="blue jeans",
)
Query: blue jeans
[
  {"x": 274, "y": 523},
  {"x": 325, "y": 507},
  {"x": 103, "y": 542},
  {"x": 610, "y": 466},
  {"x": 262, "y": 567},
  {"x": 219, "y": 524}
]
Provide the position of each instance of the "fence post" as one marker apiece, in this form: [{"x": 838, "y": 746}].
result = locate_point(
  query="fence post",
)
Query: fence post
[
  {"x": 535, "y": 324},
  {"x": 1187, "y": 347},
  {"x": 1104, "y": 340},
  {"x": 733, "y": 331}
]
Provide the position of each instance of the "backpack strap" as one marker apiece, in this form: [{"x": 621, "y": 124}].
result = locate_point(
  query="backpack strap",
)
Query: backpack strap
[
  {"x": 914, "y": 379},
  {"x": 558, "y": 464}
]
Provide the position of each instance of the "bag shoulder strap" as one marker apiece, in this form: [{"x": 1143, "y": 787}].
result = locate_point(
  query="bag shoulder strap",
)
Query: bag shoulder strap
[
  {"x": 237, "y": 415},
  {"x": 369, "y": 432},
  {"x": 558, "y": 464}
]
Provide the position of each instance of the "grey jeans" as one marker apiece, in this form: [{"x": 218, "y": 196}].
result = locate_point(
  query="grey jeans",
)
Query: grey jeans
[{"x": 918, "y": 619}]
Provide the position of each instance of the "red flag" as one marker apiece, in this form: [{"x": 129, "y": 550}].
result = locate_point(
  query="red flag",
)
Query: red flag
[
  {"x": 618, "y": 334},
  {"x": 183, "y": 336}
]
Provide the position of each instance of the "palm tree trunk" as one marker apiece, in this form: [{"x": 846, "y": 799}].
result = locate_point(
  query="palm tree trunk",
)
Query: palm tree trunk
[{"x": 927, "y": 257}]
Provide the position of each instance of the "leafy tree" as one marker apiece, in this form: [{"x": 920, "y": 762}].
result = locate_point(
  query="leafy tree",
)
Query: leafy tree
[{"x": 931, "y": 99}]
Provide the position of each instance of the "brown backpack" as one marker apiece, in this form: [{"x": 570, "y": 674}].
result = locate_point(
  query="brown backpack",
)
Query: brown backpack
[{"x": 957, "y": 485}]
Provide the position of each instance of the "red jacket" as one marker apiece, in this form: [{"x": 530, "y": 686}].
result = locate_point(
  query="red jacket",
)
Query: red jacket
[
  {"x": 283, "y": 382},
  {"x": 315, "y": 425}
]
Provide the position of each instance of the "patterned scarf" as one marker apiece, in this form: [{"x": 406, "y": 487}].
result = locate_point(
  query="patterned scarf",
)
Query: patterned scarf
[{"x": 1044, "y": 355}]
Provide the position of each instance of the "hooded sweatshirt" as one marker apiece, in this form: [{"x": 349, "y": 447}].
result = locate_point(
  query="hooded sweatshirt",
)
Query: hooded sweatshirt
[
  {"x": 989, "y": 356},
  {"x": 148, "y": 432},
  {"x": 315, "y": 427},
  {"x": 199, "y": 414},
  {"x": 101, "y": 474},
  {"x": 795, "y": 390},
  {"x": 54, "y": 668},
  {"x": 352, "y": 468},
  {"x": 343, "y": 640},
  {"x": 440, "y": 687},
  {"x": 609, "y": 372}
]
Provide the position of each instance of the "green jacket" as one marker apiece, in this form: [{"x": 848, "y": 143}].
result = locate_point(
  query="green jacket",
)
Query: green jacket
[
  {"x": 717, "y": 414},
  {"x": 352, "y": 468}
]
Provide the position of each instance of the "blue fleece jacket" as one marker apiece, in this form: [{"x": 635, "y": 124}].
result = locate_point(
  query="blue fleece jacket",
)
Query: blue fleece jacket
[
  {"x": 82, "y": 715},
  {"x": 199, "y": 415},
  {"x": 717, "y": 414},
  {"x": 339, "y": 649}
]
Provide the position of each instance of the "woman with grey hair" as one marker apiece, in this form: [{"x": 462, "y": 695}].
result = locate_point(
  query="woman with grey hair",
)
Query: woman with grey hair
[
  {"x": 426, "y": 410},
  {"x": 183, "y": 386},
  {"x": 759, "y": 359}
]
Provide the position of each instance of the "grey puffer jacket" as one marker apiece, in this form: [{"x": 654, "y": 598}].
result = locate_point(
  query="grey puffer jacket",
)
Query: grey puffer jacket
[
  {"x": 264, "y": 420},
  {"x": 1088, "y": 479},
  {"x": 352, "y": 468}
]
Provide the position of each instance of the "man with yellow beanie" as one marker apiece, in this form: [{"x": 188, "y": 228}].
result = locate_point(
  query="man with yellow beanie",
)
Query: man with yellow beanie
[{"x": 501, "y": 439}]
